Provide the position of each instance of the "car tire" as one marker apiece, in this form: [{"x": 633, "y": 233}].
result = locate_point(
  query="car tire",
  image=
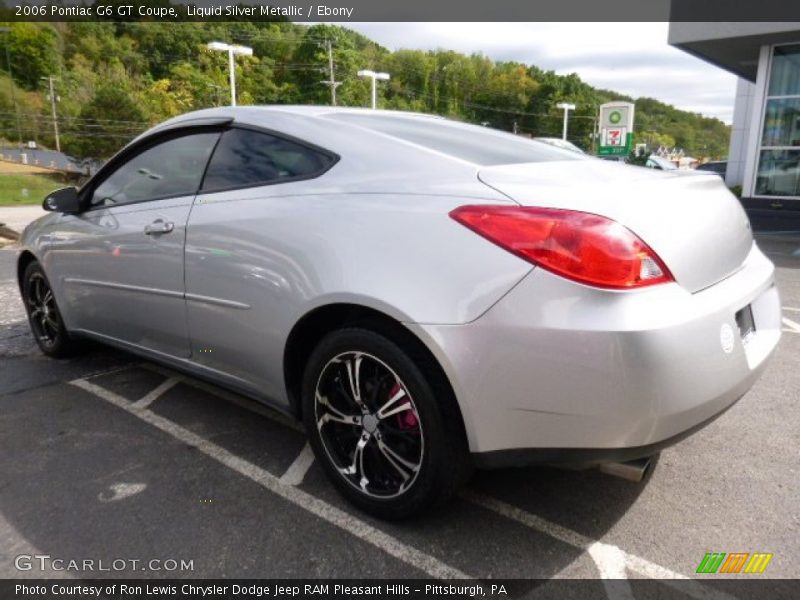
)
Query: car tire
[
  {"x": 384, "y": 428},
  {"x": 44, "y": 317}
]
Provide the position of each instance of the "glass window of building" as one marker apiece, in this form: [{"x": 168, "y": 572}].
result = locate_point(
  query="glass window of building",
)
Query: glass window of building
[{"x": 779, "y": 156}]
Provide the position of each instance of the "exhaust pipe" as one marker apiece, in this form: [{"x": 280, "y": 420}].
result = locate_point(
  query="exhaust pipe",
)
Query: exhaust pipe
[{"x": 632, "y": 470}]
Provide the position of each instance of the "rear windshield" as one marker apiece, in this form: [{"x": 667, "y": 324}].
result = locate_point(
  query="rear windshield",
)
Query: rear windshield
[{"x": 479, "y": 145}]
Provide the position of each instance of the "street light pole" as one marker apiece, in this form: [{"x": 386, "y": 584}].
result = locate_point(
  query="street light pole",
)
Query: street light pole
[
  {"x": 232, "y": 75},
  {"x": 566, "y": 107},
  {"x": 7, "y": 30},
  {"x": 232, "y": 50},
  {"x": 375, "y": 77}
]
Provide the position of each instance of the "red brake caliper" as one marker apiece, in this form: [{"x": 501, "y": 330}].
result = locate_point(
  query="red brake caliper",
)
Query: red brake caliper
[{"x": 406, "y": 419}]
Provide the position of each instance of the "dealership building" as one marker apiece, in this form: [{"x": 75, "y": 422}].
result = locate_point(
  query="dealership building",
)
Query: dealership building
[{"x": 764, "y": 154}]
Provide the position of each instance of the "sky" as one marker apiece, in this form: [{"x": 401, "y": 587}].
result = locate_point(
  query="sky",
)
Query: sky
[{"x": 630, "y": 58}]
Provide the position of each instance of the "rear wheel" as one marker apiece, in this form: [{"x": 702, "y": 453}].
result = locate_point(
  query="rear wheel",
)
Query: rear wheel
[
  {"x": 44, "y": 317},
  {"x": 383, "y": 431}
]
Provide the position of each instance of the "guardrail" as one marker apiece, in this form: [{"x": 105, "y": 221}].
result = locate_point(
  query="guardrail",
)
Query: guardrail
[
  {"x": 24, "y": 160},
  {"x": 38, "y": 168}
]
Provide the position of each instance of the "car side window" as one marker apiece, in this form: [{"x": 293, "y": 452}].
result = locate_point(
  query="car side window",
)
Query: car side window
[
  {"x": 249, "y": 158},
  {"x": 171, "y": 168}
]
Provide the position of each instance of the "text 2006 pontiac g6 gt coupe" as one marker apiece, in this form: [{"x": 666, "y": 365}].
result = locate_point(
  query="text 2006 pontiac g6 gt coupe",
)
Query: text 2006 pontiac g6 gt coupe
[{"x": 425, "y": 295}]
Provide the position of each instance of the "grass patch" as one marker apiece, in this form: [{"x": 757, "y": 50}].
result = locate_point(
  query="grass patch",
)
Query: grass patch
[{"x": 18, "y": 188}]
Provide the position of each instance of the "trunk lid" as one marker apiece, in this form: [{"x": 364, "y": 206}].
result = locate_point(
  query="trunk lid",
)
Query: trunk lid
[{"x": 697, "y": 227}]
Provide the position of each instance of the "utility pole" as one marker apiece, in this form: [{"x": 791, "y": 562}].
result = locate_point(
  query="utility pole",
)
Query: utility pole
[
  {"x": 331, "y": 82},
  {"x": 53, "y": 101},
  {"x": 7, "y": 31}
]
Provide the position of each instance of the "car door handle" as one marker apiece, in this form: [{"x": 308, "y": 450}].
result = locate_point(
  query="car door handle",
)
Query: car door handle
[{"x": 159, "y": 226}]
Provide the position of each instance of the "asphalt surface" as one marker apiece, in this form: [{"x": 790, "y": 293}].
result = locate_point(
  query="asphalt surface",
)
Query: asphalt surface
[{"x": 106, "y": 457}]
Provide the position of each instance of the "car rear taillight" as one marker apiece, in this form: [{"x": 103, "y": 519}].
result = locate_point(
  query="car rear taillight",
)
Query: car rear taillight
[{"x": 581, "y": 246}]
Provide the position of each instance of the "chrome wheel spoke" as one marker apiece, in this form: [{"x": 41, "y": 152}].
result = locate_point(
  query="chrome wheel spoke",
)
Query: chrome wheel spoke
[
  {"x": 334, "y": 414},
  {"x": 39, "y": 295},
  {"x": 48, "y": 328},
  {"x": 357, "y": 466},
  {"x": 353, "y": 377},
  {"x": 394, "y": 411},
  {"x": 404, "y": 467},
  {"x": 387, "y": 411}
]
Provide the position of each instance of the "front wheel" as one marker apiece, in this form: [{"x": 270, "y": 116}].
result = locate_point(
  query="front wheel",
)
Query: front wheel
[
  {"x": 383, "y": 431},
  {"x": 44, "y": 317}
]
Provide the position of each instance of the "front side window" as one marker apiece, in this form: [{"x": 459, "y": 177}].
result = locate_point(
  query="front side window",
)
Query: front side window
[
  {"x": 171, "y": 168},
  {"x": 779, "y": 157},
  {"x": 246, "y": 158}
]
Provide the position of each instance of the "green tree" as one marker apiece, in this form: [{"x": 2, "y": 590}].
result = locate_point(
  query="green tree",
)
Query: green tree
[
  {"x": 102, "y": 136},
  {"x": 34, "y": 52}
]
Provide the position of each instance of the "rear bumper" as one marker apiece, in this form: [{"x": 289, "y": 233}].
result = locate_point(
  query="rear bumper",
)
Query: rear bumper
[
  {"x": 561, "y": 372},
  {"x": 521, "y": 457}
]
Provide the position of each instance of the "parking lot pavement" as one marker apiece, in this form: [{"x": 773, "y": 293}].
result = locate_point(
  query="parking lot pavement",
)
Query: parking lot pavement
[
  {"x": 17, "y": 218},
  {"x": 107, "y": 457}
]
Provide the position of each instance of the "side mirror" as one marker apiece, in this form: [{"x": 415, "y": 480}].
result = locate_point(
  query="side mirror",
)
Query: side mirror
[{"x": 64, "y": 200}]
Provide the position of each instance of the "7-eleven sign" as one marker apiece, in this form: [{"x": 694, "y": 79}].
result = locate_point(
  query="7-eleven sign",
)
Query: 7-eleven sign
[{"x": 615, "y": 137}]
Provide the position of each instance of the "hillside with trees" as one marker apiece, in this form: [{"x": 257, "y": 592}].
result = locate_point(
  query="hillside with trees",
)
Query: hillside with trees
[{"x": 114, "y": 80}]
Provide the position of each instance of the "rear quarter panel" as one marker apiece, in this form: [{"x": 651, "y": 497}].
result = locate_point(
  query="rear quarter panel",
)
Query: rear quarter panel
[{"x": 283, "y": 251}]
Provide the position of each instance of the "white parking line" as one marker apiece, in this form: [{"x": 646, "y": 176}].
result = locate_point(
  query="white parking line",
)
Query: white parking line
[
  {"x": 333, "y": 515},
  {"x": 297, "y": 470},
  {"x": 791, "y": 326},
  {"x": 791, "y": 308},
  {"x": 611, "y": 563},
  {"x": 155, "y": 394},
  {"x": 580, "y": 541}
]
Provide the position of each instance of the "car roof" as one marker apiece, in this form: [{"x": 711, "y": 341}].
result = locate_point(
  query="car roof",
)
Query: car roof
[
  {"x": 276, "y": 113},
  {"x": 243, "y": 112}
]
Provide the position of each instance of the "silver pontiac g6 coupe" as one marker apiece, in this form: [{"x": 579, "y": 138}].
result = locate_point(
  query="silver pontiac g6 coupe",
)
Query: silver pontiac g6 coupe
[{"x": 424, "y": 295}]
